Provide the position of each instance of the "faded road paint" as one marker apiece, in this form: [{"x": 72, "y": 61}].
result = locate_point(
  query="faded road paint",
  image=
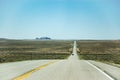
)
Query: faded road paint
[{"x": 27, "y": 74}]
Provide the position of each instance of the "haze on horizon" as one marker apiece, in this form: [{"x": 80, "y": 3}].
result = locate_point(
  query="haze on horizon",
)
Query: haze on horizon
[{"x": 60, "y": 19}]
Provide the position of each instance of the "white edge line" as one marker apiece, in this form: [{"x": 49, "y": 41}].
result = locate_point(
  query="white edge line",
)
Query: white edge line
[{"x": 100, "y": 71}]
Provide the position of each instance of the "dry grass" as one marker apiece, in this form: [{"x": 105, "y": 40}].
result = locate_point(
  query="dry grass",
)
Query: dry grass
[
  {"x": 16, "y": 50},
  {"x": 100, "y": 50}
]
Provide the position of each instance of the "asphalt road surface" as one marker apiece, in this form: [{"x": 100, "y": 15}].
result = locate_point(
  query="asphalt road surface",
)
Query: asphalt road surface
[{"x": 70, "y": 69}]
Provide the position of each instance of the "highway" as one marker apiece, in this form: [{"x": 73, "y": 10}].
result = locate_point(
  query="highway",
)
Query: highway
[{"x": 69, "y": 69}]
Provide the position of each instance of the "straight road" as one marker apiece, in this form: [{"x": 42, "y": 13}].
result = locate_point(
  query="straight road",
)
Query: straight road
[{"x": 70, "y": 69}]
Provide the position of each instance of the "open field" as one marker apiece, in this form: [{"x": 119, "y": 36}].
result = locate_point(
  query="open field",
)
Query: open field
[
  {"x": 67, "y": 69},
  {"x": 17, "y": 50},
  {"x": 108, "y": 51}
]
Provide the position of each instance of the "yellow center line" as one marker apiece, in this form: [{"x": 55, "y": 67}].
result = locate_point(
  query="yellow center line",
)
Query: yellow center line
[{"x": 27, "y": 74}]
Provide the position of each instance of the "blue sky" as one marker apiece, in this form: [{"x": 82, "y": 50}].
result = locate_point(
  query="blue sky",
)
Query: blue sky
[{"x": 60, "y": 19}]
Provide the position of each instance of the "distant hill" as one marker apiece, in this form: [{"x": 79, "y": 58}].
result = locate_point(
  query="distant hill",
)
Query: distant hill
[
  {"x": 3, "y": 39},
  {"x": 43, "y": 38}
]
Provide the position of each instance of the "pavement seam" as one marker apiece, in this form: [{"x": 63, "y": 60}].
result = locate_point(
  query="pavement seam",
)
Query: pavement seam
[
  {"x": 27, "y": 74},
  {"x": 97, "y": 68}
]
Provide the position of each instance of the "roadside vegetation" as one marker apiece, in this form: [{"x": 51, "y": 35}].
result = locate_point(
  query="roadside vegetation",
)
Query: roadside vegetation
[
  {"x": 19, "y": 50},
  {"x": 107, "y": 51}
]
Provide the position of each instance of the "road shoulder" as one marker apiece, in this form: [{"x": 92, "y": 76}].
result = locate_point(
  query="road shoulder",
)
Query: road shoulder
[{"x": 109, "y": 69}]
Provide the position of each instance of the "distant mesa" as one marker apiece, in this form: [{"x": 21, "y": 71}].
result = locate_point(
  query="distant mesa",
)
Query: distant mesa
[{"x": 43, "y": 38}]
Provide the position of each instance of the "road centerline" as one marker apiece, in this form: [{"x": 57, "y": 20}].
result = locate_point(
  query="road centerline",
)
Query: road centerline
[{"x": 27, "y": 74}]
